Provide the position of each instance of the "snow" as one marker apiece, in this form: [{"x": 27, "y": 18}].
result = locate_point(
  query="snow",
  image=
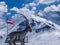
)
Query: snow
[{"x": 46, "y": 38}]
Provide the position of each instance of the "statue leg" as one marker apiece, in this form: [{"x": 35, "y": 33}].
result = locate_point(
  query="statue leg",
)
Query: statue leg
[
  {"x": 23, "y": 43},
  {"x": 14, "y": 43},
  {"x": 10, "y": 43}
]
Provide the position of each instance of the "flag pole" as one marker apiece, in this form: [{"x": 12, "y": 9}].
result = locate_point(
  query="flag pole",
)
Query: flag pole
[
  {"x": 7, "y": 26},
  {"x": 9, "y": 22}
]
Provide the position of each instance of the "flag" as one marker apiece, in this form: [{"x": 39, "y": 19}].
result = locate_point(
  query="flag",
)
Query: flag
[{"x": 9, "y": 21}]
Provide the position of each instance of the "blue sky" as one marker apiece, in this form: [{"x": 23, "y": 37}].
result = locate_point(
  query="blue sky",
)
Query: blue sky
[
  {"x": 16, "y": 3},
  {"x": 19, "y": 3},
  {"x": 10, "y": 8}
]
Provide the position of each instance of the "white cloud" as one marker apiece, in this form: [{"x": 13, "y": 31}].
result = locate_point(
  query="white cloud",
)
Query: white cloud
[
  {"x": 26, "y": 5},
  {"x": 2, "y": 3},
  {"x": 32, "y": 4},
  {"x": 15, "y": 9},
  {"x": 16, "y": 17},
  {"x": 46, "y": 1},
  {"x": 3, "y": 8},
  {"x": 52, "y": 8},
  {"x": 2, "y": 23},
  {"x": 40, "y": 13},
  {"x": 8, "y": 13},
  {"x": 58, "y": 7},
  {"x": 33, "y": 8}
]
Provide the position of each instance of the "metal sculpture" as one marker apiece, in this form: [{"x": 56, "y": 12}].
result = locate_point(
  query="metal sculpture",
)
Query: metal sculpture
[{"x": 19, "y": 36}]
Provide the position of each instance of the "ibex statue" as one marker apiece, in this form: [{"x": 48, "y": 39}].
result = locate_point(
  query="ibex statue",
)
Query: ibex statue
[{"x": 19, "y": 36}]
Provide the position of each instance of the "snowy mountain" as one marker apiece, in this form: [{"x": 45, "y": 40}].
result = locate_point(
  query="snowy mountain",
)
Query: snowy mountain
[
  {"x": 53, "y": 16},
  {"x": 46, "y": 29}
]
